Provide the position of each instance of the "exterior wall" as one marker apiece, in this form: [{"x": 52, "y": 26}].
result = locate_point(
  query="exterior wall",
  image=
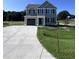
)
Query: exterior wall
[
  {"x": 41, "y": 11},
  {"x": 36, "y": 19},
  {"x": 46, "y": 12},
  {"x": 51, "y": 18},
  {"x": 31, "y": 12},
  {"x": 30, "y": 17},
  {"x": 50, "y": 21}
]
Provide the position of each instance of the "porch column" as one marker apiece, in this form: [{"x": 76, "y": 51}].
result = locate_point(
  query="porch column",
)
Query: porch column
[
  {"x": 44, "y": 21},
  {"x": 37, "y": 21},
  {"x": 25, "y": 20}
]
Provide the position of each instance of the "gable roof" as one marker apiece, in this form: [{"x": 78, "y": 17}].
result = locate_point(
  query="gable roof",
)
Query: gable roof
[
  {"x": 46, "y": 4},
  {"x": 33, "y": 6}
]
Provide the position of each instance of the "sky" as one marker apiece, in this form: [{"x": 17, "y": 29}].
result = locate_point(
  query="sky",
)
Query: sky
[{"x": 20, "y": 5}]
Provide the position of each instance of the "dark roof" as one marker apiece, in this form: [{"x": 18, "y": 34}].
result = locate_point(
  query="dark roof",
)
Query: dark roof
[
  {"x": 33, "y": 6},
  {"x": 46, "y": 4}
]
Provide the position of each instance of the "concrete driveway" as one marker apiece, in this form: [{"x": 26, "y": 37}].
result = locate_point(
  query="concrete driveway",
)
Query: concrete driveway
[{"x": 20, "y": 42}]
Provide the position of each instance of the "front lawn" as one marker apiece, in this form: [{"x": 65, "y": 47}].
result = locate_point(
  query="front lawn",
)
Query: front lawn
[{"x": 60, "y": 42}]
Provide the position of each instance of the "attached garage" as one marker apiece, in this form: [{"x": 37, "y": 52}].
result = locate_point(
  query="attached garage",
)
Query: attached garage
[
  {"x": 34, "y": 20},
  {"x": 30, "y": 21}
]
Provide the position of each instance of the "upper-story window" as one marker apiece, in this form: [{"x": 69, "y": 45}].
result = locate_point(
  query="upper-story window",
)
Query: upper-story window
[
  {"x": 53, "y": 11},
  {"x": 29, "y": 11},
  {"x": 40, "y": 11},
  {"x": 32, "y": 12},
  {"x": 47, "y": 11}
]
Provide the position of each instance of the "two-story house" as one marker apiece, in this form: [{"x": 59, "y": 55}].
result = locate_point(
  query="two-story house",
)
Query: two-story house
[{"x": 40, "y": 14}]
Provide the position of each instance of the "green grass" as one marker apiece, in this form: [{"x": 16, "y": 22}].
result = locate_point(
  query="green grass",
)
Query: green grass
[
  {"x": 58, "y": 41},
  {"x": 11, "y": 23}
]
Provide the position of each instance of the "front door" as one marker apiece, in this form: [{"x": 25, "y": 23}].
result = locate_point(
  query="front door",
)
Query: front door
[{"x": 40, "y": 21}]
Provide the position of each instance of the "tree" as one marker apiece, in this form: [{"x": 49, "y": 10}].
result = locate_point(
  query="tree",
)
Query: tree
[
  {"x": 9, "y": 16},
  {"x": 72, "y": 16},
  {"x": 13, "y": 15},
  {"x": 4, "y": 15},
  {"x": 63, "y": 15}
]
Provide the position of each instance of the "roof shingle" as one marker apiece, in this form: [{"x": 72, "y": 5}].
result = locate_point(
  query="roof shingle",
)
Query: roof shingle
[
  {"x": 46, "y": 4},
  {"x": 33, "y": 6}
]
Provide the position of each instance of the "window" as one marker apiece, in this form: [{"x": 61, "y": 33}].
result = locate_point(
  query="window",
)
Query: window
[
  {"x": 34, "y": 11},
  {"x": 53, "y": 11},
  {"x": 40, "y": 11},
  {"x": 46, "y": 11},
  {"x": 47, "y": 20},
  {"x": 29, "y": 11},
  {"x": 53, "y": 20}
]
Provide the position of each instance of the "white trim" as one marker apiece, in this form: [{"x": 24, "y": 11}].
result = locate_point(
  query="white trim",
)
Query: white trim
[
  {"x": 45, "y": 8},
  {"x": 44, "y": 21},
  {"x": 25, "y": 20}
]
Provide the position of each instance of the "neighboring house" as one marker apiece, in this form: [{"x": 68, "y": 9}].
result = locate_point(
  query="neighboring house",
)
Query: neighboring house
[{"x": 44, "y": 14}]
